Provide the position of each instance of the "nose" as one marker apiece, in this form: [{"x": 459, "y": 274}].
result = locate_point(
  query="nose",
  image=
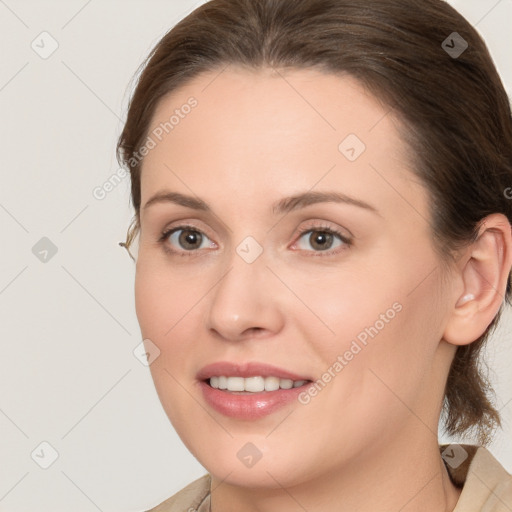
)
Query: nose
[{"x": 246, "y": 302}]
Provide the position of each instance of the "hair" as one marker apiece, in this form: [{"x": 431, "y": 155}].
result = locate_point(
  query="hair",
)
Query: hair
[{"x": 456, "y": 114}]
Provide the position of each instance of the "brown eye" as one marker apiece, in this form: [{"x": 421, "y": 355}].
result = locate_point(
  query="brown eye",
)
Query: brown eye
[
  {"x": 190, "y": 239},
  {"x": 320, "y": 240},
  {"x": 184, "y": 239}
]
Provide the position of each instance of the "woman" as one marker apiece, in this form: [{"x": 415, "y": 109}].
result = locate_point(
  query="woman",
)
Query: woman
[{"x": 324, "y": 245}]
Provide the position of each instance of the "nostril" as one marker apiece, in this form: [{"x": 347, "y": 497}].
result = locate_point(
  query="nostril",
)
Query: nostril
[{"x": 254, "y": 330}]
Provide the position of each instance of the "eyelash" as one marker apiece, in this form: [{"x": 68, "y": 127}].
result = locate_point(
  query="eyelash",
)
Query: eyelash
[{"x": 314, "y": 228}]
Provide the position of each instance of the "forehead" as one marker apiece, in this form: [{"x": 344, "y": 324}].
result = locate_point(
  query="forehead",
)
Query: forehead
[
  {"x": 267, "y": 100},
  {"x": 261, "y": 132}
]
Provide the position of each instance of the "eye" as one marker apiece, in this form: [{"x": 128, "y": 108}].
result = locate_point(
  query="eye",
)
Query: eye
[
  {"x": 322, "y": 238},
  {"x": 188, "y": 238}
]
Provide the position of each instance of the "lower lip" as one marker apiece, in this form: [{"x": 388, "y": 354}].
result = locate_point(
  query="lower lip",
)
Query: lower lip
[{"x": 249, "y": 406}]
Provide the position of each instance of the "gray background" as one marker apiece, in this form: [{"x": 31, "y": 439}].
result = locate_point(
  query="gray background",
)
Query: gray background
[{"x": 68, "y": 374}]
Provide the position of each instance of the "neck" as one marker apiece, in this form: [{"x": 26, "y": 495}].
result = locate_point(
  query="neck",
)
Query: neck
[{"x": 405, "y": 476}]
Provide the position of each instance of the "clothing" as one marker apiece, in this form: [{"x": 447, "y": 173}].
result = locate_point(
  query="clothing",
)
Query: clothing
[{"x": 486, "y": 486}]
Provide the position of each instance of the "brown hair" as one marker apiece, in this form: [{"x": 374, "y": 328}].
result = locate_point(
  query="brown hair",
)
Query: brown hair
[{"x": 455, "y": 109}]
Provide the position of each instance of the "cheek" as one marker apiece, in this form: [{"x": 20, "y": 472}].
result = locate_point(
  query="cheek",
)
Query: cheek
[
  {"x": 164, "y": 308},
  {"x": 394, "y": 355},
  {"x": 163, "y": 299},
  {"x": 343, "y": 306},
  {"x": 150, "y": 306},
  {"x": 168, "y": 306},
  {"x": 385, "y": 331}
]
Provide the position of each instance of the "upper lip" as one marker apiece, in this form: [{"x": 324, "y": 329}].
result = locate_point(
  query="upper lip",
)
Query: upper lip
[{"x": 248, "y": 369}]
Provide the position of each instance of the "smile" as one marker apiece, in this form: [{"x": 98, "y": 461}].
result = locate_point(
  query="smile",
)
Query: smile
[{"x": 254, "y": 384}]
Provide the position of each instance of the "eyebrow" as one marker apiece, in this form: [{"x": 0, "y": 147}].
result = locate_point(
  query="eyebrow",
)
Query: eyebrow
[{"x": 285, "y": 205}]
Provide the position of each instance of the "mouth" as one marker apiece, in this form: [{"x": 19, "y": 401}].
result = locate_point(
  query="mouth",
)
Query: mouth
[
  {"x": 253, "y": 384},
  {"x": 251, "y": 390}
]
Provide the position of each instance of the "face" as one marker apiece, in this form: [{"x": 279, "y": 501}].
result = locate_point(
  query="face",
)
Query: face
[{"x": 342, "y": 291}]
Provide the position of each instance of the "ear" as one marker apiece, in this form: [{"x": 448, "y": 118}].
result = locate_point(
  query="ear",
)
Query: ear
[{"x": 484, "y": 271}]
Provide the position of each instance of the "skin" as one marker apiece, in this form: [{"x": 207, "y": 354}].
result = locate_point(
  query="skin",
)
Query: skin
[{"x": 367, "y": 441}]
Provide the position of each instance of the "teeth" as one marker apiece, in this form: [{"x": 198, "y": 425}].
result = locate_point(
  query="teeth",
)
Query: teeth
[
  {"x": 253, "y": 384},
  {"x": 272, "y": 383}
]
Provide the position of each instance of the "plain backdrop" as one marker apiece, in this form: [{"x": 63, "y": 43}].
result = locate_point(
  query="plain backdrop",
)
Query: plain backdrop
[{"x": 73, "y": 396}]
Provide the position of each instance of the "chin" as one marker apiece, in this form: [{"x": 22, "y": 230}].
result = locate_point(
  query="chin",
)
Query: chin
[
  {"x": 239, "y": 462},
  {"x": 258, "y": 477}
]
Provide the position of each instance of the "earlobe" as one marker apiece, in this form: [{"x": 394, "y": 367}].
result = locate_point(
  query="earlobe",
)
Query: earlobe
[
  {"x": 484, "y": 272},
  {"x": 465, "y": 298}
]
